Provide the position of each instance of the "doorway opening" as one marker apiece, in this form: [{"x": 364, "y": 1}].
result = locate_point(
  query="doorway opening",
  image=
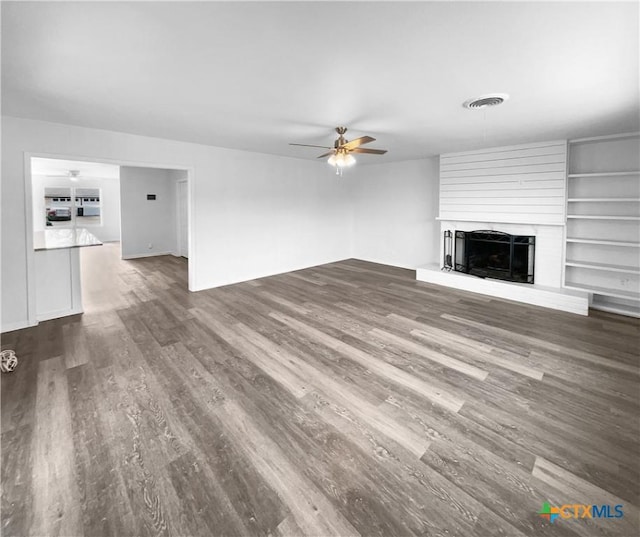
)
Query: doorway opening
[{"x": 139, "y": 214}]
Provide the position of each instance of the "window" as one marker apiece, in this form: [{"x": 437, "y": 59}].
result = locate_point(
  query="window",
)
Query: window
[{"x": 61, "y": 211}]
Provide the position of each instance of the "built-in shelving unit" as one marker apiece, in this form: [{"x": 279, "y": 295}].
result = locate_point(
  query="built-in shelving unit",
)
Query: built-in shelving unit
[{"x": 602, "y": 253}]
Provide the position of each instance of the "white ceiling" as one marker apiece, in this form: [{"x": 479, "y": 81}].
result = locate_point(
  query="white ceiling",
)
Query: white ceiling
[
  {"x": 55, "y": 167},
  {"x": 256, "y": 76}
]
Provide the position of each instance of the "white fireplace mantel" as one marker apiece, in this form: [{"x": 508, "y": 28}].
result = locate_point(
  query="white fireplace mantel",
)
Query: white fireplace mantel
[{"x": 500, "y": 223}]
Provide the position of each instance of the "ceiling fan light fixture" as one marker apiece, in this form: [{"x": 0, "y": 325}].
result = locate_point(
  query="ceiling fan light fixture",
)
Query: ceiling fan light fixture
[
  {"x": 340, "y": 156},
  {"x": 341, "y": 159},
  {"x": 349, "y": 160}
]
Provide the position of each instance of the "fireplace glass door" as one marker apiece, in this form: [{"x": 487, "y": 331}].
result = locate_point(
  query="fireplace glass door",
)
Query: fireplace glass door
[{"x": 493, "y": 254}]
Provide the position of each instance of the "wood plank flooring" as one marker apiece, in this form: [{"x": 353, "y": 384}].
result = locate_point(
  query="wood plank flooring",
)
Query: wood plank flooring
[{"x": 345, "y": 399}]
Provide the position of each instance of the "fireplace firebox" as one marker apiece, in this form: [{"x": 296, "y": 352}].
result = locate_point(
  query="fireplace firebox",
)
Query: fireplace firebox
[{"x": 493, "y": 254}]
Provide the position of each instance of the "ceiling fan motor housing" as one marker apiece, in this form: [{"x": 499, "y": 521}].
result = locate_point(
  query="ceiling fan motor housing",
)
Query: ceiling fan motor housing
[{"x": 341, "y": 139}]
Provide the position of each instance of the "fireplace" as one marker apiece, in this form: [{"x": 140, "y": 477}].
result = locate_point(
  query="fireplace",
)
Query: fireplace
[{"x": 493, "y": 254}]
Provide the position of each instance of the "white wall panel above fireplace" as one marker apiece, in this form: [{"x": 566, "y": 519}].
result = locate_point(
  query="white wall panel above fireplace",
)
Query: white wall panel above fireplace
[{"x": 513, "y": 184}]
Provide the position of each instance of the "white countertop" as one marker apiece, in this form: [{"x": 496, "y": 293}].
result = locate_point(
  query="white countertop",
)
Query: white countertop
[{"x": 54, "y": 239}]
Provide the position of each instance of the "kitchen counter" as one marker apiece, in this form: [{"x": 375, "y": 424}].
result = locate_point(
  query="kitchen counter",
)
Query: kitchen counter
[{"x": 56, "y": 239}]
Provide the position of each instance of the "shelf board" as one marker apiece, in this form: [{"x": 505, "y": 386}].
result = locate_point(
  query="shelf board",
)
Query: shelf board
[
  {"x": 604, "y": 174},
  {"x": 604, "y": 242},
  {"x": 614, "y": 200},
  {"x": 621, "y": 136},
  {"x": 602, "y": 217},
  {"x": 630, "y": 311},
  {"x": 602, "y": 266},
  {"x": 615, "y": 293}
]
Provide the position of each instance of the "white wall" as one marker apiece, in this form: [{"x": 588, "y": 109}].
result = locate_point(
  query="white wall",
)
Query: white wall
[
  {"x": 148, "y": 226},
  {"x": 251, "y": 214},
  {"x": 109, "y": 228},
  {"x": 394, "y": 211}
]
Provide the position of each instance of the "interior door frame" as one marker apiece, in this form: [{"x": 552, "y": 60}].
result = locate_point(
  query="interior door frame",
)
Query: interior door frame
[
  {"x": 28, "y": 196},
  {"x": 179, "y": 218}
]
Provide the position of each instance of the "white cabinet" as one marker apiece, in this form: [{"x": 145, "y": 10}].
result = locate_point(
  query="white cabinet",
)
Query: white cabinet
[
  {"x": 602, "y": 253},
  {"x": 58, "y": 291},
  {"x": 57, "y": 271}
]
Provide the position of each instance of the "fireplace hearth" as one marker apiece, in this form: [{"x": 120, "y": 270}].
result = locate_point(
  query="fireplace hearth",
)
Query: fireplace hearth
[{"x": 493, "y": 254}]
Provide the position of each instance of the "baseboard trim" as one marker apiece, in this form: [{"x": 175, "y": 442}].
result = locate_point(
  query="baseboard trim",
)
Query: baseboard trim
[
  {"x": 213, "y": 285},
  {"x": 385, "y": 263},
  {"x": 139, "y": 256}
]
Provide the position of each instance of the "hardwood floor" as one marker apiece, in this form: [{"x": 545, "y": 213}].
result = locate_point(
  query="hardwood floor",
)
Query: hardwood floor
[{"x": 346, "y": 399}]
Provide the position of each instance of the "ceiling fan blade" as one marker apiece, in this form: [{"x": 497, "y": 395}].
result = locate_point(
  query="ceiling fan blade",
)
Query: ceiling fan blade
[
  {"x": 358, "y": 142},
  {"x": 307, "y": 145},
  {"x": 327, "y": 154},
  {"x": 372, "y": 151}
]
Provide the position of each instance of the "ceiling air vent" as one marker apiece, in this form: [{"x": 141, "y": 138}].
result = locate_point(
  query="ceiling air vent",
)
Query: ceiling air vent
[{"x": 484, "y": 101}]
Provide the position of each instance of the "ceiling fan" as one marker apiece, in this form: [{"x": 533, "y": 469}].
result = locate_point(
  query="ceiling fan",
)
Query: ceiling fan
[
  {"x": 72, "y": 175},
  {"x": 340, "y": 155}
]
